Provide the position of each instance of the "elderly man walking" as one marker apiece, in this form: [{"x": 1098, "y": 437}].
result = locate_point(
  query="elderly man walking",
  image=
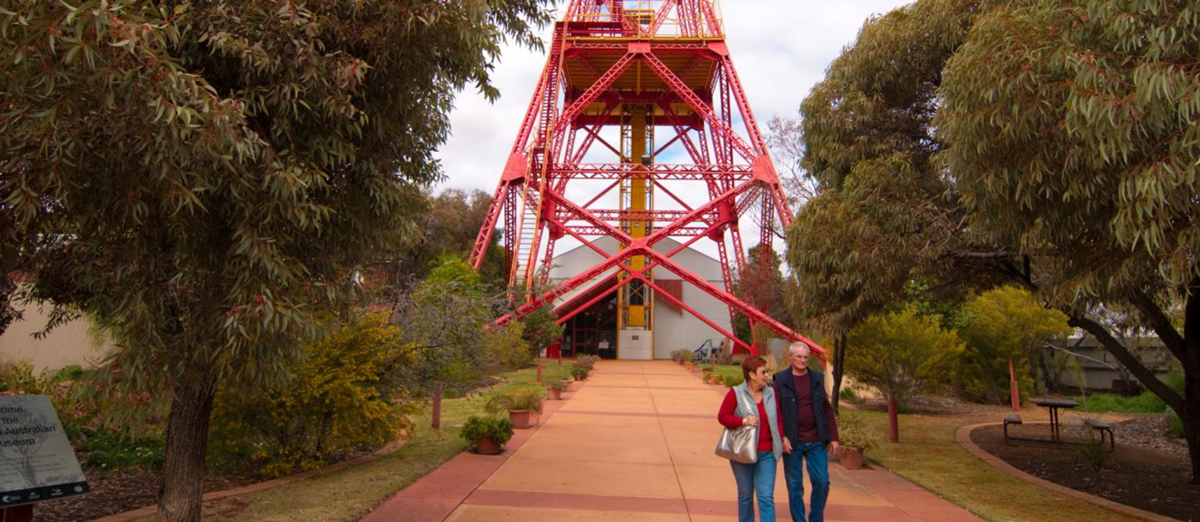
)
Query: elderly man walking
[{"x": 810, "y": 433}]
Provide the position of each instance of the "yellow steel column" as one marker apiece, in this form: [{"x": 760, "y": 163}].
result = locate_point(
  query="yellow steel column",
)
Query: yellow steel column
[{"x": 637, "y": 202}]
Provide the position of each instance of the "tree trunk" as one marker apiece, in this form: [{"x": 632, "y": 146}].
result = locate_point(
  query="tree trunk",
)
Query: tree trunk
[
  {"x": 187, "y": 444},
  {"x": 1190, "y": 413},
  {"x": 839, "y": 369},
  {"x": 1191, "y": 417}
]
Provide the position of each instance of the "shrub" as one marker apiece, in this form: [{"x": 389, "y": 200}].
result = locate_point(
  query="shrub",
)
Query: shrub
[
  {"x": 109, "y": 451},
  {"x": 336, "y": 402},
  {"x": 476, "y": 427},
  {"x": 903, "y": 352},
  {"x": 680, "y": 356},
  {"x": 579, "y": 373},
  {"x": 732, "y": 380},
  {"x": 586, "y": 361},
  {"x": 849, "y": 395},
  {"x": 19, "y": 377},
  {"x": 558, "y": 385},
  {"x": 1002, "y": 323},
  {"x": 507, "y": 348},
  {"x": 1176, "y": 427},
  {"x": 1093, "y": 450},
  {"x": 540, "y": 329},
  {"x": 854, "y": 433},
  {"x": 519, "y": 399}
]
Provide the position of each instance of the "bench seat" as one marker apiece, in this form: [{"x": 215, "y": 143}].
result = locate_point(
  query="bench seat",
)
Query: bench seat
[
  {"x": 1102, "y": 427},
  {"x": 1011, "y": 418}
]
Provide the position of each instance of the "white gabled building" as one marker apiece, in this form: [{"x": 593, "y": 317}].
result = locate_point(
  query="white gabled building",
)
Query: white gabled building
[{"x": 594, "y": 330}]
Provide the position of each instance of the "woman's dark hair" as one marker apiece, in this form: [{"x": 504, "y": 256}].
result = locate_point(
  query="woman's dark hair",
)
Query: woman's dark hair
[{"x": 750, "y": 364}]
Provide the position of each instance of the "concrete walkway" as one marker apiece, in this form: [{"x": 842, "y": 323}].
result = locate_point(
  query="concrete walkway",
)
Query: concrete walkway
[{"x": 635, "y": 443}]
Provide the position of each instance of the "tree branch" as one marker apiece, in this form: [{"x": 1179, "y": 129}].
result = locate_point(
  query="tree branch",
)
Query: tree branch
[
  {"x": 1159, "y": 322},
  {"x": 1122, "y": 354}
]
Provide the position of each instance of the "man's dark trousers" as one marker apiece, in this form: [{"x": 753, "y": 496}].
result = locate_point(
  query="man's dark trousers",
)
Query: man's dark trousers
[{"x": 817, "y": 458}]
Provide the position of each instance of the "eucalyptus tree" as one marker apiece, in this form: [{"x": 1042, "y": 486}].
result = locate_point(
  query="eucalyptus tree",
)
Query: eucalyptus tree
[
  {"x": 202, "y": 177},
  {"x": 885, "y": 213},
  {"x": 1075, "y": 139}
]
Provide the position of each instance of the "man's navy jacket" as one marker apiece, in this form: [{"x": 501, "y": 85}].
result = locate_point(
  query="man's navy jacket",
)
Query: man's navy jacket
[{"x": 785, "y": 393}]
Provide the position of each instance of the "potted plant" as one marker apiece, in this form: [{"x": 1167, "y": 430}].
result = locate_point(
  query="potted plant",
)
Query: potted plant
[
  {"x": 523, "y": 406},
  {"x": 579, "y": 373},
  {"x": 732, "y": 380},
  {"x": 586, "y": 361},
  {"x": 854, "y": 437},
  {"x": 555, "y": 388},
  {"x": 487, "y": 434}
]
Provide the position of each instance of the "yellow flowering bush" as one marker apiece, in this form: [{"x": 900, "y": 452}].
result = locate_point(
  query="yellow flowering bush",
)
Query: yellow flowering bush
[{"x": 339, "y": 400}]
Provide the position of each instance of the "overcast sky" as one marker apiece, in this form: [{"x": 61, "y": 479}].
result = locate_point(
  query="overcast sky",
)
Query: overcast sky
[{"x": 780, "y": 50}]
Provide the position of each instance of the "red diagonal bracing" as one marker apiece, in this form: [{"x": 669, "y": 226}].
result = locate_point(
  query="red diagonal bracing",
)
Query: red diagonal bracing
[
  {"x": 694, "y": 101},
  {"x": 574, "y": 101},
  {"x": 753, "y": 313}
]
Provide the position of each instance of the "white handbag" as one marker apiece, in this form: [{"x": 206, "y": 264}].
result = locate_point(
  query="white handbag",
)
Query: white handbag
[{"x": 739, "y": 444}]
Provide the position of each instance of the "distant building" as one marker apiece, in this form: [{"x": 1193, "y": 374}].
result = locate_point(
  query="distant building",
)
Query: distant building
[
  {"x": 68, "y": 344},
  {"x": 1101, "y": 369},
  {"x": 594, "y": 330}
]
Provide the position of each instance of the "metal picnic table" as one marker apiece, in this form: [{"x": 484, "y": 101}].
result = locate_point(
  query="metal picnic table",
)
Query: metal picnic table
[{"x": 1054, "y": 405}]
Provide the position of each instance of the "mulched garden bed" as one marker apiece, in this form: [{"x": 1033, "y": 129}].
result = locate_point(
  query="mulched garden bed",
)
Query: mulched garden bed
[
  {"x": 931, "y": 405},
  {"x": 1145, "y": 471},
  {"x": 120, "y": 491}
]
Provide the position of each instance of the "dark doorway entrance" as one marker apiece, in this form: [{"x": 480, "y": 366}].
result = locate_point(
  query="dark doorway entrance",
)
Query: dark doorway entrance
[{"x": 594, "y": 330}]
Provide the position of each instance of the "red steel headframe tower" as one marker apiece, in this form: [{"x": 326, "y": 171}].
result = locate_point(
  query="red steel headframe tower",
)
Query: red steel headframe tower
[{"x": 636, "y": 67}]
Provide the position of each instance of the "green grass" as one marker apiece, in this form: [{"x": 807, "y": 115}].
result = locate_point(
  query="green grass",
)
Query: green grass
[
  {"x": 723, "y": 370},
  {"x": 1145, "y": 402},
  {"x": 929, "y": 456},
  {"x": 350, "y": 493},
  {"x": 1176, "y": 428}
]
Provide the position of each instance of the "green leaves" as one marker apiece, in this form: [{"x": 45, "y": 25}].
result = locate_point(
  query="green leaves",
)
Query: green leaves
[
  {"x": 212, "y": 173},
  {"x": 887, "y": 210},
  {"x": 904, "y": 352},
  {"x": 1073, "y": 125}
]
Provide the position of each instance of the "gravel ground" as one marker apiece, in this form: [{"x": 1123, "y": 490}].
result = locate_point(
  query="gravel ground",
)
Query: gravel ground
[{"x": 1151, "y": 431}]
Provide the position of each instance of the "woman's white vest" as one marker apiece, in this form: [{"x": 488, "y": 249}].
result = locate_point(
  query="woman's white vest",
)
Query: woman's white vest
[{"x": 745, "y": 401}]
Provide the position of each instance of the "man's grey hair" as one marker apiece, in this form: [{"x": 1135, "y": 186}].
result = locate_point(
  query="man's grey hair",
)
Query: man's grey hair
[{"x": 792, "y": 348}]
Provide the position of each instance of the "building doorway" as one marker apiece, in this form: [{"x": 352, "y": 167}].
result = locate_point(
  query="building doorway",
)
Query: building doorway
[{"x": 592, "y": 331}]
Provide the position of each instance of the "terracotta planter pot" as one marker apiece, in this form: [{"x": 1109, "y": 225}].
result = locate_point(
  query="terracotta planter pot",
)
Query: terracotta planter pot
[
  {"x": 713, "y": 379},
  {"x": 486, "y": 446},
  {"x": 554, "y": 395},
  {"x": 523, "y": 419},
  {"x": 851, "y": 458}
]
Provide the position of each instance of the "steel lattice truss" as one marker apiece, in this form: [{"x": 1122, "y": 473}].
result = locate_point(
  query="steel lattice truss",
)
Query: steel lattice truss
[{"x": 672, "y": 59}]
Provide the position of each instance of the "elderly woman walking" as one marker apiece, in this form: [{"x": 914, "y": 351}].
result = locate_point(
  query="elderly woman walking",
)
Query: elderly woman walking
[{"x": 758, "y": 479}]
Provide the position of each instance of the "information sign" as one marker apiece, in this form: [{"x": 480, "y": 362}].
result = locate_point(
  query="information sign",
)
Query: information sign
[{"x": 36, "y": 460}]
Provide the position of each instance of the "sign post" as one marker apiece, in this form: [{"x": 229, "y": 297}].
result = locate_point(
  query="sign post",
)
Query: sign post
[{"x": 37, "y": 462}]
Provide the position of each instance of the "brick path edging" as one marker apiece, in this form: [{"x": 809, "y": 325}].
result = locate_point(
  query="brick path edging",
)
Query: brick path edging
[
  {"x": 963, "y": 436},
  {"x": 389, "y": 448},
  {"x": 259, "y": 486},
  {"x": 437, "y": 494}
]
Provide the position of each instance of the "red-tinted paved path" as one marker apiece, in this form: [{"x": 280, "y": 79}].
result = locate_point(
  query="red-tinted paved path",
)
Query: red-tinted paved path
[{"x": 635, "y": 443}]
